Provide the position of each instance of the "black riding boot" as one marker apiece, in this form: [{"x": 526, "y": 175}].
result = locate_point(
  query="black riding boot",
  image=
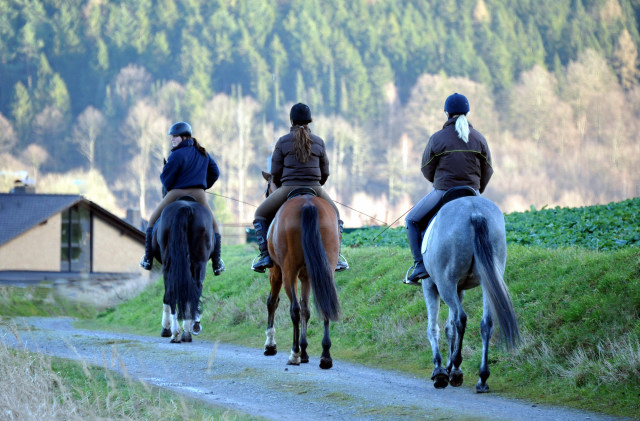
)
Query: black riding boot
[
  {"x": 261, "y": 233},
  {"x": 216, "y": 262},
  {"x": 147, "y": 260},
  {"x": 342, "y": 262},
  {"x": 415, "y": 242}
]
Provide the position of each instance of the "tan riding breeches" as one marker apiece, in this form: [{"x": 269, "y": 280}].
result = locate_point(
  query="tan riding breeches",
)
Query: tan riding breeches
[
  {"x": 269, "y": 207},
  {"x": 174, "y": 195}
]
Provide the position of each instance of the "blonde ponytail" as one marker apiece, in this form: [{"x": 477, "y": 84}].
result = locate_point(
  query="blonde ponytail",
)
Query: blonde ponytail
[{"x": 462, "y": 128}]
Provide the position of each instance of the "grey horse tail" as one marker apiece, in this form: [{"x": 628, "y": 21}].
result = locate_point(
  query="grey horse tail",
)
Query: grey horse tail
[
  {"x": 491, "y": 279},
  {"x": 318, "y": 268}
]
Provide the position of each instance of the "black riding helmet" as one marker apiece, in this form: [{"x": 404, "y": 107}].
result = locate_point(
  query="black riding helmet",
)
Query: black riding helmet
[
  {"x": 456, "y": 104},
  {"x": 180, "y": 128},
  {"x": 300, "y": 114}
]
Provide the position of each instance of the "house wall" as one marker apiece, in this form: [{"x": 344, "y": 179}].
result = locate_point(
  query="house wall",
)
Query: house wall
[
  {"x": 36, "y": 249},
  {"x": 114, "y": 251}
]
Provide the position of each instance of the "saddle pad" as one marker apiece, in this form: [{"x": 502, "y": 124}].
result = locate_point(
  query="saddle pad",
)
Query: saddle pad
[
  {"x": 301, "y": 191},
  {"x": 427, "y": 235}
]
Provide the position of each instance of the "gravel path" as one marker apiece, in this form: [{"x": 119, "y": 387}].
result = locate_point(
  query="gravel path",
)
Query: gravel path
[{"x": 243, "y": 379}]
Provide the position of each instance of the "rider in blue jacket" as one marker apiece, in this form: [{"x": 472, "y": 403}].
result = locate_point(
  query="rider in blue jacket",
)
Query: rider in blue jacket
[{"x": 190, "y": 170}]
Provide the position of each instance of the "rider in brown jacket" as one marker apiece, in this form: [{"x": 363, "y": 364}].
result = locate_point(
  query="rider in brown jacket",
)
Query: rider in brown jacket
[
  {"x": 457, "y": 155},
  {"x": 299, "y": 159}
]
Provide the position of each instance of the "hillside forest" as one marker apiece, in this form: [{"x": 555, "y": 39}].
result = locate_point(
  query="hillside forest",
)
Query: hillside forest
[{"x": 89, "y": 88}]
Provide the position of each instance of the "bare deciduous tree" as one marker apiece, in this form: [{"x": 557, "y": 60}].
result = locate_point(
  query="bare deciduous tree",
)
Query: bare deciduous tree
[
  {"x": 35, "y": 155},
  {"x": 89, "y": 124},
  {"x": 147, "y": 129},
  {"x": 8, "y": 137}
]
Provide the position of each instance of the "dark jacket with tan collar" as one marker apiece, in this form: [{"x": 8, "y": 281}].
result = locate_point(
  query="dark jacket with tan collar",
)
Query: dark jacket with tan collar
[{"x": 449, "y": 162}]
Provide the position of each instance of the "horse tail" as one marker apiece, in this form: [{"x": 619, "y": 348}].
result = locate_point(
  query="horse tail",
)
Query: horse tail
[
  {"x": 492, "y": 281},
  {"x": 318, "y": 268},
  {"x": 180, "y": 287}
]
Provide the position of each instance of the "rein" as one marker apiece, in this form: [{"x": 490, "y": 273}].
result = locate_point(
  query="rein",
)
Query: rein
[{"x": 335, "y": 201}]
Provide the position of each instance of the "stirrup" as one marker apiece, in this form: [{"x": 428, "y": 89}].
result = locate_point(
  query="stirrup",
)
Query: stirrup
[
  {"x": 406, "y": 277},
  {"x": 259, "y": 269},
  {"x": 342, "y": 264}
]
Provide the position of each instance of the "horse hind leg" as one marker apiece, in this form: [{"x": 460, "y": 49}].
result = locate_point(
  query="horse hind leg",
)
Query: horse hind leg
[
  {"x": 166, "y": 321},
  {"x": 294, "y": 311},
  {"x": 187, "y": 324},
  {"x": 325, "y": 360},
  {"x": 196, "y": 323},
  {"x": 486, "y": 330},
  {"x": 175, "y": 327},
  {"x": 440, "y": 376},
  {"x": 187, "y": 327},
  {"x": 455, "y": 328},
  {"x": 273, "y": 300},
  {"x": 305, "y": 314}
]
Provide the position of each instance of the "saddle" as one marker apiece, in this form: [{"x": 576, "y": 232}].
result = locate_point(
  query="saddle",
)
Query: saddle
[
  {"x": 186, "y": 198},
  {"x": 301, "y": 191},
  {"x": 448, "y": 196}
]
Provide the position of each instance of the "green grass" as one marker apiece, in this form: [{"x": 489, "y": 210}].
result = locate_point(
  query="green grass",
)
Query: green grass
[
  {"x": 578, "y": 311},
  {"x": 40, "y": 301}
]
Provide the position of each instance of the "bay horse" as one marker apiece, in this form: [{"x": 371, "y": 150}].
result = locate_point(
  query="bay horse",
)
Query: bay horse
[
  {"x": 303, "y": 242},
  {"x": 183, "y": 240},
  {"x": 464, "y": 247}
]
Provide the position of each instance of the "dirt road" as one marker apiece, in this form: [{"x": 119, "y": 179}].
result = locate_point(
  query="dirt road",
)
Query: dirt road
[{"x": 243, "y": 379}]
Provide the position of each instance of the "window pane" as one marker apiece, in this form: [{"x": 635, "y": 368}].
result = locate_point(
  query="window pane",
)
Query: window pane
[{"x": 80, "y": 240}]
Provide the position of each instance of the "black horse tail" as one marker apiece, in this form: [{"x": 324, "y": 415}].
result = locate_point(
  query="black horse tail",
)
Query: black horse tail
[
  {"x": 318, "y": 268},
  {"x": 180, "y": 287},
  {"x": 491, "y": 279}
]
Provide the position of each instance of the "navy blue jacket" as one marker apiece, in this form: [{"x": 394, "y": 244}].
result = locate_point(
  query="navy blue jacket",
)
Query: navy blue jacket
[{"x": 188, "y": 168}]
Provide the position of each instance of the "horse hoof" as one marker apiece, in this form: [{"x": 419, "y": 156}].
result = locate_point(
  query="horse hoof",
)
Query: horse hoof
[
  {"x": 326, "y": 363},
  {"x": 482, "y": 387},
  {"x": 175, "y": 340},
  {"x": 455, "y": 378},
  {"x": 440, "y": 378},
  {"x": 186, "y": 337},
  {"x": 293, "y": 362},
  {"x": 304, "y": 359},
  {"x": 196, "y": 328},
  {"x": 441, "y": 381},
  {"x": 270, "y": 350},
  {"x": 166, "y": 333}
]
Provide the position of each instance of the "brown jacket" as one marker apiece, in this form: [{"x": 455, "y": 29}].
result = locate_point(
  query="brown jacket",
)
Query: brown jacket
[
  {"x": 288, "y": 171},
  {"x": 449, "y": 162}
]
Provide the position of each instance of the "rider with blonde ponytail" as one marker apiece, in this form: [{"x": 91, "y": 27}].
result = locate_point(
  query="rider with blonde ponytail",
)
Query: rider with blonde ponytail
[
  {"x": 457, "y": 155},
  {"x": 299, "y": 159}
]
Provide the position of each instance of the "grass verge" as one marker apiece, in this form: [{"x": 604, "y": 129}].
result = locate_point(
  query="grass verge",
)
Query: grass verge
[{"x": 38, "y": 387}]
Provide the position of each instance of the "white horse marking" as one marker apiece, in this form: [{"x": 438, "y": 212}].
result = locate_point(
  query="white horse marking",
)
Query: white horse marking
[{"x": 271, "y": 337}]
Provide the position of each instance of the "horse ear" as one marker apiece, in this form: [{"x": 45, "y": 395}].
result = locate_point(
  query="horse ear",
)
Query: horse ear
[{"x": 266, "y": 175}]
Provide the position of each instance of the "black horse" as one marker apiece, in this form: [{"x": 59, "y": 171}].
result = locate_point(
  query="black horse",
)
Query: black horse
[{"x": 182, "y": 242}]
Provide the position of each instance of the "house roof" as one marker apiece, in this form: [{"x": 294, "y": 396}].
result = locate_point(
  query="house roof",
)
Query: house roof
[{"x": 20, "y": 212}]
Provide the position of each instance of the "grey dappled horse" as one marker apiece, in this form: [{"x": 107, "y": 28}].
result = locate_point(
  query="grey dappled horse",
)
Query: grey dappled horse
[
  {"x": 182, "y": 242},
  {"x": 464, "y": 247}
]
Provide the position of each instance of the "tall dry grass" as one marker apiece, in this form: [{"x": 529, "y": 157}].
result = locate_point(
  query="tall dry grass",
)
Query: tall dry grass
[{"x": 37, "y": 387}]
